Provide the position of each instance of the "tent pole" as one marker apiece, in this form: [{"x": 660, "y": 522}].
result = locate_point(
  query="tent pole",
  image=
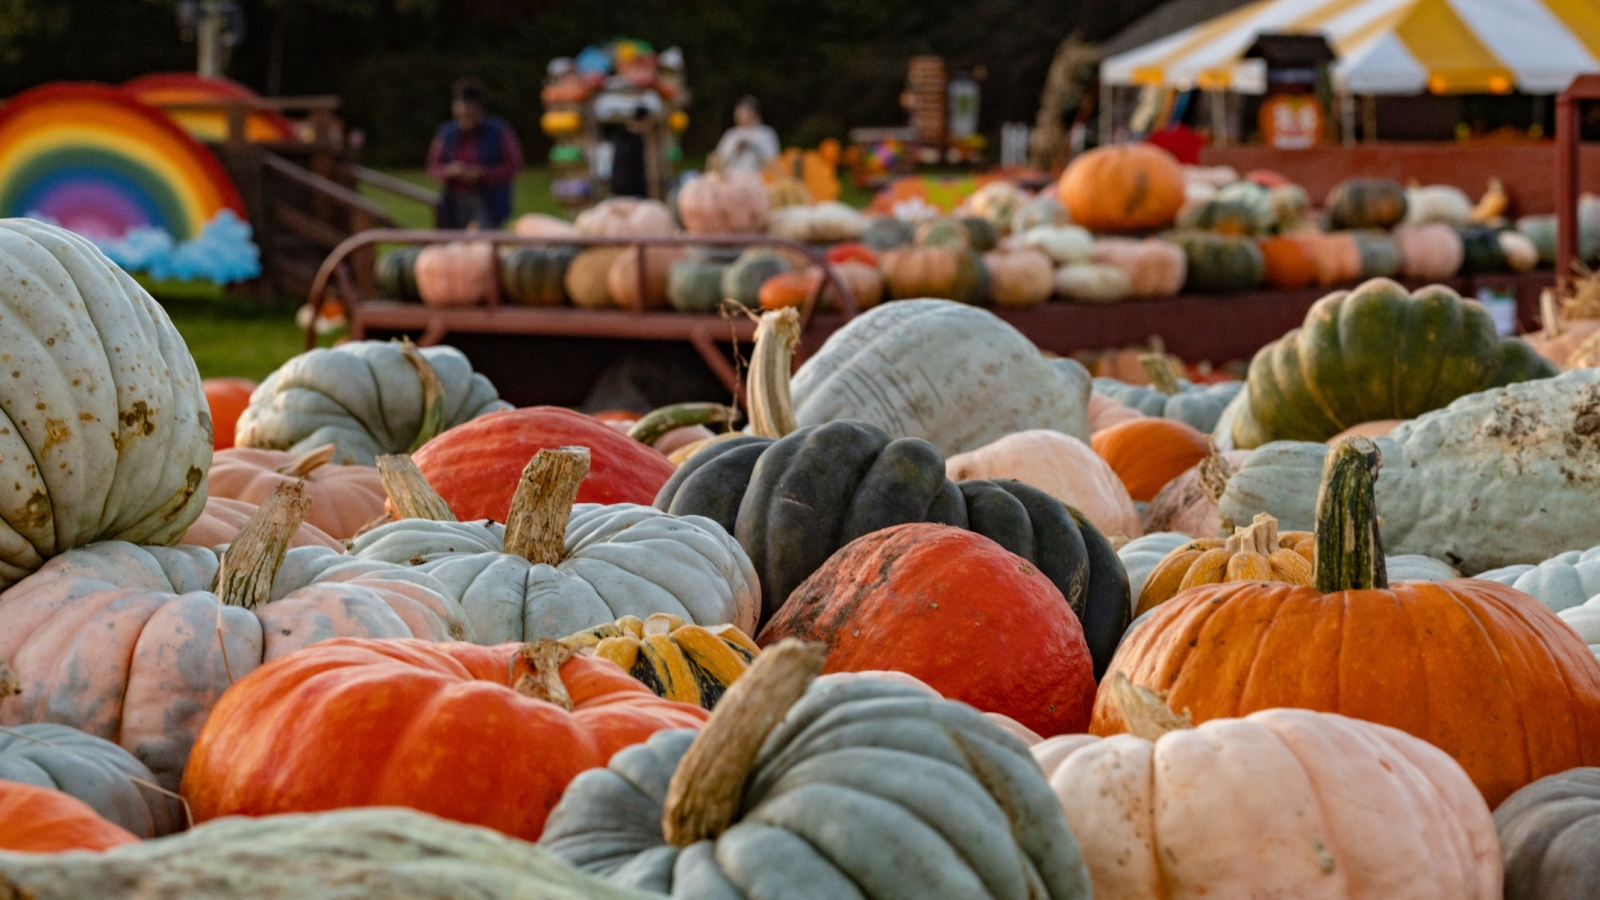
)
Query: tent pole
[
  {"x": 1347, "y": 118},
  {"x": 1217, "y": 100},
  {"x": 1369, "y": 117},
  {"x": 1108, "y": 98}
]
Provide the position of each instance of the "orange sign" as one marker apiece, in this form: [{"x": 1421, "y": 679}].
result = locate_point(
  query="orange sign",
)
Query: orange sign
[{"x": 1291, "y": 121}]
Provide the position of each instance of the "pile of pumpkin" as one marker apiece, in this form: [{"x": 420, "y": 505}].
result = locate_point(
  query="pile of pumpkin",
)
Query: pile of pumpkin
[{"x": 879, "y": 644}]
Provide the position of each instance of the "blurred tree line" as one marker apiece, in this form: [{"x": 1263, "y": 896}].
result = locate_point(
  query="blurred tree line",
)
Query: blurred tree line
[{"x": 819, "y": 67}]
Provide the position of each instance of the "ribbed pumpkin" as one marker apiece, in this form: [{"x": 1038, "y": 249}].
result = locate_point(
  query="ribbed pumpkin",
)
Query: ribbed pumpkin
[
  {"x": 1338, "y": 257},
  {"x": 947, "y": 273},
  {"x": 694, "y": 286},
  {"x": 1256, "y": 552},
  {"x": 1061, "y": 466},
  {"x": 1219, "y": 263},
  {"x": 1288, "y": 264},
  {"x": 222, "y": 520},
  {"x": 535, "y": 276},
  {"x": 396, "y": 273},
  {"x": 1155, "y": 268},
  {"x": 626, "y": 217},
  {"x": 742, "y": 281},
  {"x": 1512, "y": 694},
  {"x": 1123, "y": 187},
  {"x": 1380, "y": 255},
  {"x": 724, "y": 203},
  {"x": 343, "y": 498},
  {"x": 485, "y": 735},
  {"x": 108, "y": 778},
  {"x": 1230, "y": 217},
  {"x": 678, "y": 660},
  {"x": 586, "y": 277},
  {"x": 1019, "y": 277},
  {"x": 954, "y": 609},
  {"x": 1367, "y": 203},
  {"x": 1188, "y": 504},
  {"x": 40, "y": 820},
  {"x": 1548, "y": 837},
  {"x": 1280, "y": 803},
  {"x": 1149, "y": 452},
  {"x": 886, "y": 233},
  {"x": 475, "y": 467},
  {"x": 460, "y": 273},
  {"x": 227, "y": 399},
  {"x": 622, "y": 279}
]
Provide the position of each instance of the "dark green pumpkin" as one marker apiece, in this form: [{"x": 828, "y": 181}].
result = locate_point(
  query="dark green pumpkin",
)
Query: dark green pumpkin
[
  {"x": 886, "y": 233},
  {"x": 793, "y": 502},
  {"x": 535, "y": 276},
  {"x": 742, "y": 281},
  {"x": 1233, "y": 217},
  {"x": 1481, "y": 251},
  {"x": 1550, "y": 838},
  {"x": 982, "y": 236},
  {"x": 943, "y": 233},
  {"x": 1367, "y": 203},
  {"x": 1377, "y": 352},
  {"x": 396, "y": 273},
  {"x": 1219, "y": 263},
  {"x": 695, "y": 287},
  {"x": 1380, "y": 255}
]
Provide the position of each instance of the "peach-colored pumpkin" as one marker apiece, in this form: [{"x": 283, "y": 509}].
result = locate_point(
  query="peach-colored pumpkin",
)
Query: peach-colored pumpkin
[
  {"x": 1185, "y": 506},
  {"x": 626, "y": 217},
  {"x": 622, "y": 279},
  {"x": 220, "y": 521},
  {"x": 541, "y": 225},
  {"x": 1155, "y": 268},
  {"x": 1375, "y": 428},
  {"x": 1430, "y": 252},
  {"x": 343, "y": 498},
  {"x": 1283, "y": 803},
  {"x": 1337, "y": 256},
  {"x": 1559, "y": 349},
  {"x": 588, "y": 275},
  {"x": 1061, "y": 466},
  {"x": 1105, "y": 412},
  {"x": 460, "y": 273},
  {"x": 1019, "y": 277},
  {"x": 724, "y": 203}
]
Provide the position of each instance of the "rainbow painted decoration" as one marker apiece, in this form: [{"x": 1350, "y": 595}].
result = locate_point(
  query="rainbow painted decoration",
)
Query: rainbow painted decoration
[
  {"x": 186, "y": 89},
  {"x": 98, "y": 161}
]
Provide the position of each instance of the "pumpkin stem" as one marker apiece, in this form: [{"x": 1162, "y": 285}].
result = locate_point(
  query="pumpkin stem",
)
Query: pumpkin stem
[
  {"x": 410, "y": 494},
  {"x": 433, "y": 417},
  {"x": 1260, "y": 536},
  {"x": 658, "y": 422},
  {"x": 245, "y": 573},
  {"x": 771, "y": 406},
  {"x": 1144, "y": 711},
  {"x": 1214, "y": 472},
  {"x": 708, "y": 786},
  {"x": 1160, "y": 372},
  {"x": 545, "y": 657},
  {"x": 9, "y": 685},
  {"x": 536, "y": 525},
  {"x": 302, "y": 466},
  {"x": 1349, "y": 549}
]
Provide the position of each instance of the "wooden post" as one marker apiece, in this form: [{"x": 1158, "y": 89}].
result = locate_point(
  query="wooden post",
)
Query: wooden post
[
  {"x": 1567, "y": 134},
  {"x": 1369, "y": 118},
  {"x": 364, "y": 259}
]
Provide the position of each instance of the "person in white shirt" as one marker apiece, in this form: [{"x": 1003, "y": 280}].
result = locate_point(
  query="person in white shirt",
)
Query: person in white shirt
[{"x": 749, "y": 145}]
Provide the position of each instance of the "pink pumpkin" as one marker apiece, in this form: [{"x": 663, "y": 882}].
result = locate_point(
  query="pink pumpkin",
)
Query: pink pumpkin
[
  {"x": 460, "y": 273},
  {"x": 720, "y": 203}
]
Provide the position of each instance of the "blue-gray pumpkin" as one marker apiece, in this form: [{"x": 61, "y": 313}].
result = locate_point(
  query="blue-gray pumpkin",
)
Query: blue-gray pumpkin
[{"x": 114, "y": 783}]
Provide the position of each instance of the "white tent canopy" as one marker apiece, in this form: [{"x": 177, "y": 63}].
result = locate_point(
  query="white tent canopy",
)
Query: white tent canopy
[{"x": 1385, "y": 46}]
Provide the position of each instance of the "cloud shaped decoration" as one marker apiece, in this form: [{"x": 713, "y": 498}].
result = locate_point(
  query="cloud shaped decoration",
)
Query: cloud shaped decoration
[{"x": 222, "y": 252}]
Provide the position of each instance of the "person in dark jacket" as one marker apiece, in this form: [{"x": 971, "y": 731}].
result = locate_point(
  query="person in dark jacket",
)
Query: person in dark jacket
[
  {"x": 628, "y": 166},
  {"x": 475, "y": 157}
]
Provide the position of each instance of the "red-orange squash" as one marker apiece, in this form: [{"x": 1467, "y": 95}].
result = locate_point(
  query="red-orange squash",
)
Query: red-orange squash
[
  {"x": 976, "y": 623},
  {"x": 485, "y": 735},
  {"x": 343, "y": 498},
  {"x": 1123, "y": 187},
  {"x": 41, "y": 820},
  {"x": 788, "y": 289},
  {"x": 1480, "y": 670},
  {"x": 475, "y": 466},
  {"x": 227, "y": 398},
  {"x": 1290, "y": 264},
  {"x": 1149, "y": 452}
]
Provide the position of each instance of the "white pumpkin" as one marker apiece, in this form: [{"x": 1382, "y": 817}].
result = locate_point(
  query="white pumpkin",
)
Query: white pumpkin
[
  {"x": 1440, "y": 203},
  {"x": 1141, "y": 555},
  {"x": 1585, "y": 620},
  {"x": 106, "y": 434},
  {"x": 1092, "y": 283},
  {"x": 619, "y": 560},
  {"x": 822, "y": 223},
  {"x": 1562, "y": 582},
  {"x": 1044, "y": 208},
  {"x": 997, "y": 201},
  {"x": 1486, "y": 482},
  {"x": 1521, "y": 255},
  {"x": 1066, "y": 244},
  {"x": 955, "y": 375}
]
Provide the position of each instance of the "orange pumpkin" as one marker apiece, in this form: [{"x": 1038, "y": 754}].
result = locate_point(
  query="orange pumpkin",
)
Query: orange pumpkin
[
  {"x": 227, "y": 398},
  {"x": 954, "y": 609},
  {"x": 1337, "y": 256},
  {"x": 460, "y": 273},
  {"x": 1290, "y": 264},
  {"x": 1481, "y": 670},
  {"x": 41, "y": 820},
  {"x": 343, "y": 498},
  {"x": 622, "y": 279},
  {"x": 220, "y": 521},
  {"x": 788, "y": 289},
  {"x": 1123, "y": 187},
  {"x": 485, "y": 735},
  {"x": 1149, "y": 452}
]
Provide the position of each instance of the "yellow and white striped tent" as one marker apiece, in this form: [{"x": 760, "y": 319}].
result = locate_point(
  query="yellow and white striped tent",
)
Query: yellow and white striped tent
[{"x": 1385, "y": 46}]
